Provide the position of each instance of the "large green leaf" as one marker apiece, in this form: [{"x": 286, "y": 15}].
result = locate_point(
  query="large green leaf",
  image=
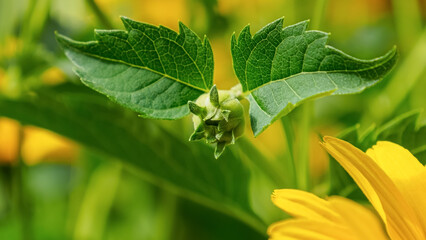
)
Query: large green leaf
[
  {"x": 151, "y": 70},
  {"x": 162, "y": 158},
  {"x": 282, "y": 68}
]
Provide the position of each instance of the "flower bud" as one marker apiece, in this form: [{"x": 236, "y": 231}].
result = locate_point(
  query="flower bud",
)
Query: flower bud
[{"x": 218, "y": 118}]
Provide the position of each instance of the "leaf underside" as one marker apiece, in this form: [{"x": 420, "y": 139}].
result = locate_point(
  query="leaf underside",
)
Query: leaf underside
[
  {"x": 151, "y": 70},
  {"x": 282, "y": 68}
]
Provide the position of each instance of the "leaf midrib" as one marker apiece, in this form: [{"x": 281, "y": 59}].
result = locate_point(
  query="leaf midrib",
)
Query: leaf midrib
[
  {"x": 137, "y": 66},
  {"x": 316, "y": 72},
  {"x": 387, "y": 56}
]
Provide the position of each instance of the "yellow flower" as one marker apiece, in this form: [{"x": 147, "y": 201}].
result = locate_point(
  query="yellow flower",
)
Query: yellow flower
[
  {"x": 38, "y": 145},
  {"x": 392, "y": 179},
  {"x": 336, "y": 218}
]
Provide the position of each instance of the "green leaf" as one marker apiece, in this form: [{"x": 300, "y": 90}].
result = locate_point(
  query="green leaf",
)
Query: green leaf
[
  {"x": 282, "y": 68},
  {"x": 151, "y": 70},
  {"x": 160, "y": 157}
]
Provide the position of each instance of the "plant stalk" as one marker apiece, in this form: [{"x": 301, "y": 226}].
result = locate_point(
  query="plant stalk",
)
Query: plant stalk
[
  {"x": 100, "y": 15},
  {"x": 303, "y": 171},
  {"x": 289, "y": 160},
  {"x": 261, "y": 162},
  {"x": 19, "y": 191},
  {"x": 400, "y": 85}
]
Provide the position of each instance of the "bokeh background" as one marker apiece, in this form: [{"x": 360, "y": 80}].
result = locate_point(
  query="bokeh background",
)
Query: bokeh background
[{"x": 54, "y": 188}]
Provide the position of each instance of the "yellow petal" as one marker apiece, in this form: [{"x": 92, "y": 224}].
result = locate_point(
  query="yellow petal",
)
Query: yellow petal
[
  {"x": 399, "y": 217},
  {"x": 362, "y": 222},
  {"x": 303, "y": 204},
  {"x": 308, "y": 229},
  {"x": 397, "y": 162},
  {"x": 416, "y": 194},
  {"x": 406, "y": 172},
  {"x": 316, "y": 218}
]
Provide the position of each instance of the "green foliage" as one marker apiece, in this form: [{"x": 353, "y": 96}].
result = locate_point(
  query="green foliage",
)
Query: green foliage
[
  {"x": 151, "y": 70},
  {"x": 155, "y": 71},
  {"x": 161, "y": 158},
  {"x": 141, "y": 178},
  {"x": 282, "y": 68}
]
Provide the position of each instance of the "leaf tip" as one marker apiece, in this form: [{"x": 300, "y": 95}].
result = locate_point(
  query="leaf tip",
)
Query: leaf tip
[
  {"x": 214, "y": 96},
  {"x": 195, "y": 109},
  {"x": 206, "y": 43},
  {"x": 182, "y": 27},
  {"x": 62, "y": 39},
  {"x": 220, "y": 148},
  {"x": 124, "y": 18},
  {"x": 126, "y": 22}
]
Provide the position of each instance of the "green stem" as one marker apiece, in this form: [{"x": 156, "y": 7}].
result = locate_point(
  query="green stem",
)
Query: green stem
[
  {"x": 97, "y": 202},
  {"x": 400, "y": 85},
  {"x": 289, "y": 161},
  {"x": 20, "y": 194},
  {"x": 408, "y": 22},
  {"x": 261, "y": 162},
  {"x": 100, "y": 15},
  {"x": 303, "y": 174},
  {"x": 165, "y": 216},
  {"x": 318, "y": 16}
]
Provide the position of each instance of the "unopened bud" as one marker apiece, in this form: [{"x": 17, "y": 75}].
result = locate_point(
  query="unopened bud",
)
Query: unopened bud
[{"x": 218, "y": 118}]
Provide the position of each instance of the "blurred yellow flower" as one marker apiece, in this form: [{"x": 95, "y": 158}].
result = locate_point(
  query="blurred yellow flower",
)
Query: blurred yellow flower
[
  {"x": 3, "y": 79},
  {"x": 38, "y": 145},
  {"x": 53, "y": 76},
  {"x": 393, "y": 180},
  {"x": 164, "y": 12},
  {"x": 9, "y": 140}
]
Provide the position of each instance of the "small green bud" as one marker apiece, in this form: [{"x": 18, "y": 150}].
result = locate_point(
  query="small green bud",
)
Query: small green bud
[{"x": 218, "y": 118}]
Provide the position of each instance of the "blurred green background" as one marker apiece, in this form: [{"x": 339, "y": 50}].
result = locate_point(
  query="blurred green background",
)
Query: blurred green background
[{"x": 54, "y": 188}]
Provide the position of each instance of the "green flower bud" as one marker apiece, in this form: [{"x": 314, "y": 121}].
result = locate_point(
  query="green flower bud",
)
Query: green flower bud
[{"x": 218, "y": 118}]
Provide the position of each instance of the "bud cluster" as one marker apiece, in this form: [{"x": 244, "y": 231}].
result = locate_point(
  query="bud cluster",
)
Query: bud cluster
[{"x": 218, "y": 118}]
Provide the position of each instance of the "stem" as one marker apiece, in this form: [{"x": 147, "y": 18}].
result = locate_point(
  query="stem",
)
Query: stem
[
  {"x": 100, "y": 15},
  {"x": 165, "y": 216},
  {"x": 400, "y": 85},
  {"x": 408, "y": 22},
  {"x": 318, "y": 16},
  {"x": 303, "y": 173},
  {"x": 289, "y": 161},
  {"x": 19, "y": 187},
  {"x": 97, "y": 202},
  {"x": 303, "y": 176},
  {"x": 260, "y": 161}
]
